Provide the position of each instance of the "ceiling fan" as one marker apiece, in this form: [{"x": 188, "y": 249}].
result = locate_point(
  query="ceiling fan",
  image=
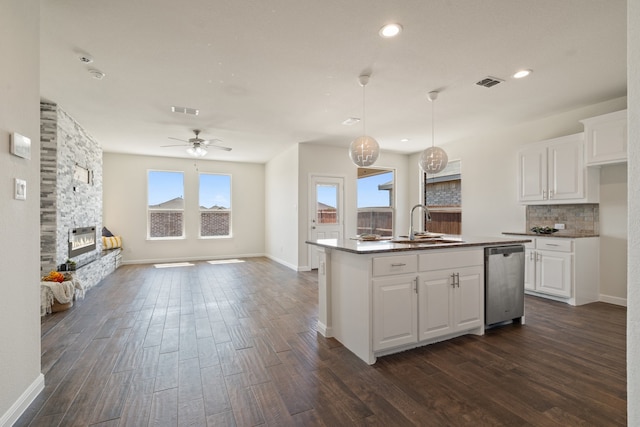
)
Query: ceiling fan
[{"x": 198, "y": 146}]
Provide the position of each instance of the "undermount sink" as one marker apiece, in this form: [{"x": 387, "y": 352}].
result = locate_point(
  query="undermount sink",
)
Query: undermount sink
[{"x": 425, "y": 241}]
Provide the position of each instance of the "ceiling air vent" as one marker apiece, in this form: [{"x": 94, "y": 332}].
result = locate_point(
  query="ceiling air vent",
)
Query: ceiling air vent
[
  {"x": 185, "y": 110},
  {"x": 489, "y": 81}
]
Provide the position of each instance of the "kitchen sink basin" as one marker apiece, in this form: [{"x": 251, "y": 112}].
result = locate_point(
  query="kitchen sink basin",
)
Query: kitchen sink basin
[{"x": 425, "y": 241}]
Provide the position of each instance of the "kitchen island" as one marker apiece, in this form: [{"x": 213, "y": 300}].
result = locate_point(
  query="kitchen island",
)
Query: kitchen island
[{"x": 385, "y": 296}]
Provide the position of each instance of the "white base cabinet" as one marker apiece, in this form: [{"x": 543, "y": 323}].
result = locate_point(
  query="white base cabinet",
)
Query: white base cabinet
[
  {"x": 563, "y": 269},
  {"x": 383, "y": 304},
  {"x": 450, "y": 301},
  {"x": 395, "y": 317}
]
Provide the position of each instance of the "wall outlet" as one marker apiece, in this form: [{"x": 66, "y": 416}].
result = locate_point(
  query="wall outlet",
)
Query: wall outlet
[{"x": 559, "y": 226}]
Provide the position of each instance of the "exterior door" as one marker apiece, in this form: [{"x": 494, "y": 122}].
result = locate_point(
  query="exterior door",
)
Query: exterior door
[{"x": 326, "y": 212}]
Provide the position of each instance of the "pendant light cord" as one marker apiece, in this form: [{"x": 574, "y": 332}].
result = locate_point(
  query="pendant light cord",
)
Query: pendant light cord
[
  {"x": 364, "y": 129},
  {"x": 433, "y": 123}
]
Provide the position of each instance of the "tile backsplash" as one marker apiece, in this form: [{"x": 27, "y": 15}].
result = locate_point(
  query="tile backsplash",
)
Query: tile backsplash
[{"x": 579, "y": 218}]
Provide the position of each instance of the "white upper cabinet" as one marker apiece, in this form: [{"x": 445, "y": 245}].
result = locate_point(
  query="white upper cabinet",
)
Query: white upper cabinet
[
  {"x": 606, "y": 138},
  {"x": 554, "y": 172}
]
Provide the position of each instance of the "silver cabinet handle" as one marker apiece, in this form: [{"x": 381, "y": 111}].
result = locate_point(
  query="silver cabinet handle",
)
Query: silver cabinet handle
[
  {"x": 453, "y": 280},
  {"x": 550, "y": 194},
  {"x": 531, "y": 255},
  {"x": 398, "y": 264},
  {"x": 552, "y": 244},
  {"x": 458, "y": 279},
  {"x": 544, "y": 194}
]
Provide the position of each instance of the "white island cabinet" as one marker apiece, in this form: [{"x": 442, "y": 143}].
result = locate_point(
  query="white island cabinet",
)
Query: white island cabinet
[{"x": 380, "y": 298}]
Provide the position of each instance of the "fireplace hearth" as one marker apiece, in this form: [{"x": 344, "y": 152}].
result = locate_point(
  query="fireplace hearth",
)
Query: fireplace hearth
[{"x": 81, "y": 240}]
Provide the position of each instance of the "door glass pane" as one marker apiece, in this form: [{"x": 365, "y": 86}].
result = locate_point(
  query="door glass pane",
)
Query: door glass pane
[{"x": 327, "y": 203}]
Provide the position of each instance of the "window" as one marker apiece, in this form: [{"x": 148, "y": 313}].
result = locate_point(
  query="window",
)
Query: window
[
  {"x": 215, "y": 205},
  {"x": 165, "y": 203},
  {"x": 442, "y": 195},
  {"x": 375, "y": 201}
]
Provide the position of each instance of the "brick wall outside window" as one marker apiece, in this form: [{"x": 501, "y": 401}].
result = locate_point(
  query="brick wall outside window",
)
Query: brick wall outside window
[
  {"x": 215, "y": 223},
  {"x": 166, "y": 224}
]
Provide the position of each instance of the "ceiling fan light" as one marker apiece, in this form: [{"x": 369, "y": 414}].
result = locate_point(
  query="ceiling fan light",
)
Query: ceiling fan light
[
  {"x": 433, "y": 160},
  {"x": 364, "y": 151}
]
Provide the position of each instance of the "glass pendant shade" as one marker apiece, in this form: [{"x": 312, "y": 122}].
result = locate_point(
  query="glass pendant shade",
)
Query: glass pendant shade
[
  {"x": 433, "y": 160},
  {"x": 364, "y": 151}
]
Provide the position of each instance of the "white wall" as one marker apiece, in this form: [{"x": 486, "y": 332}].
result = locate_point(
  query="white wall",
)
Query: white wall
[
  {"x": 20, "y": 378},
  {"x": 613, "y": 234},
  {"x": 281, "y": 207},
  {"x": 335, "y": 161},
  {"x": 633, "y": 285},
  {"x": 125, "y": 208}
]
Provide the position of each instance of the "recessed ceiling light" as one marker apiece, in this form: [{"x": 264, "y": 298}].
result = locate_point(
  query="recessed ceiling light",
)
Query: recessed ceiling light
[
  {"x": 522, "y": 73},
  {"x": 404, "y": 140},
  {"x": 351, "y": 121},
  {"x": 390, "y": 30}
]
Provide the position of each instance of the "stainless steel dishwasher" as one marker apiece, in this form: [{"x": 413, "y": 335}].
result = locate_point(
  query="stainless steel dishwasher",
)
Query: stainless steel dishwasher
[{"x": 504, "y": 284}]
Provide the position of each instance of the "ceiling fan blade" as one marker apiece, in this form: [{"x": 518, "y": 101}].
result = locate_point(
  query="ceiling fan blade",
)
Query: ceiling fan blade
[
  {"x": 178, "y": 139},
  {"x": 218, "y": 147},
  {"x": 173, "y": 145}
]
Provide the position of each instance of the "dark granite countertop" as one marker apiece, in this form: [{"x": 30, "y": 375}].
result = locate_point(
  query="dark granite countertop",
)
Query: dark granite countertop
[
  {"x": 567, "y": 234},
  {"x": 382, "y": 246}
]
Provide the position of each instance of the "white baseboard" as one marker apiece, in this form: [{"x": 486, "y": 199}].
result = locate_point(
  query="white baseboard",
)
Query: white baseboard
[
  {"x": 280, "y": 261},
  {"x": 613, "y": 300},
  {"x": 187, "y": 259},
  {"x": 23, "y": 402}
]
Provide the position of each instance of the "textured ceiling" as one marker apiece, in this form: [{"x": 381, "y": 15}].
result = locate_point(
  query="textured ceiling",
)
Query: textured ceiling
[{"x": 268, "y": 74}]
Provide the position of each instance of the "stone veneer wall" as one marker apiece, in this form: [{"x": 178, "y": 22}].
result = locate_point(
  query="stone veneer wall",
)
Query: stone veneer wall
[
  {"x": 64, "y": 202},
  {"x": 578, "y": 218}
]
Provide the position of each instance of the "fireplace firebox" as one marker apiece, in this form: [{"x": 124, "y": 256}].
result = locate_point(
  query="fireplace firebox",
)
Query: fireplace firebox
[{"x": 82, "y": 240}]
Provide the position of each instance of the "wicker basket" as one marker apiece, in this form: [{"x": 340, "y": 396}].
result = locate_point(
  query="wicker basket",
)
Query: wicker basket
[{"x": 56, "y": 306}]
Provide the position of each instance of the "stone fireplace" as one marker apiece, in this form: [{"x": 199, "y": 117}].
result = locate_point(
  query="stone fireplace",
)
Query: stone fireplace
[{"x": 71, "y": 198}]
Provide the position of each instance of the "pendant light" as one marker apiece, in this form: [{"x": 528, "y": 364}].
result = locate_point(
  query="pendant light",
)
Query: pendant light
[
  {"x": 364, "y": 150},
  {"x": 433, "y": 159}
]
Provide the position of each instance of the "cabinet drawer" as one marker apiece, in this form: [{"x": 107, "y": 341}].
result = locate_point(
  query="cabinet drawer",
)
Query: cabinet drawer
[
  {"x": 444, "y": 260},
  {"x": 386, "y": 266},
  {"x": 560, "y": 245}
]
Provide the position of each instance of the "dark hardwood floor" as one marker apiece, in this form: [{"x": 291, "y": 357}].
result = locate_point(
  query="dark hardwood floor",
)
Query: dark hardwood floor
[{"x": 235, "y": 344}]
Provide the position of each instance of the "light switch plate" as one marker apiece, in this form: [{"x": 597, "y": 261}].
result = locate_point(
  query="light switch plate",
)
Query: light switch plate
[
  {"x": 20, "y": 189},
  {"x": 559, "y": 226}
]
